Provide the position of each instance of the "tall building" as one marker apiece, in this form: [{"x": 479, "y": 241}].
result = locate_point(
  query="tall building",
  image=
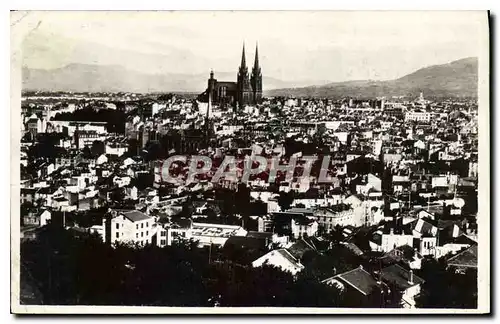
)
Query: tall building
[
  {"x": 244, "y": 88},
  {"x": 245, "y": 91},
  {"x": 256, "y": 78}
]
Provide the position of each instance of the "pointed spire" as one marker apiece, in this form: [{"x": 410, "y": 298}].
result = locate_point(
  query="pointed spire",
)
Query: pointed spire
[
  {"x": 243, "y": 60},
  {"x": 256, "y": 63}
]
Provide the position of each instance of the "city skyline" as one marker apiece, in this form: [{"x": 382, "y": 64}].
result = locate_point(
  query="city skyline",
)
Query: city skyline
[
  {"x": 250, "y": 162},
  {"x": 320, "y": 46}
]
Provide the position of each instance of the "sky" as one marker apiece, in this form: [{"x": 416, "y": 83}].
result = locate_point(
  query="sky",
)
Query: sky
[{"x": 293, "y": 45}]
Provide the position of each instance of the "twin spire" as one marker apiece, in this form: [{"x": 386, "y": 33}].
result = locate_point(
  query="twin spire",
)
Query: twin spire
[{"x": 243, "y": 59}]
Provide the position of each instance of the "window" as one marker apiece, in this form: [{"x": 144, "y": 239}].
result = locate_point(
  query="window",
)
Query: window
[
  {"x": 142, "y": 234},
  {"x": 136, "y": 226},
  {"x": 147, "y": 224},
  {"x": 117, "y": 234},
  {"x": 163, "y": 233},
  {"x": 117, "y": 226},
  {"x": 163, "y": 242},
  {"x": 142, "y": 225},
  {"x": 147, "y": 233},
  {"x": 136, "y": 235}
]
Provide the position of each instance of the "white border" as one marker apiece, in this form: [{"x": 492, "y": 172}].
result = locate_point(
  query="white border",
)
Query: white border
[{"x": 484, "y": 190}]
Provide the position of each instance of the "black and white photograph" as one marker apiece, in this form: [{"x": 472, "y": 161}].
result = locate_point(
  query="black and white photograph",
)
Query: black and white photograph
[{"x": 250, "y": 162}]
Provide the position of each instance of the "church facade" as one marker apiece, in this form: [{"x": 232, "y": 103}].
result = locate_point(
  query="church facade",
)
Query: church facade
[{"x": 247, "y": 90}]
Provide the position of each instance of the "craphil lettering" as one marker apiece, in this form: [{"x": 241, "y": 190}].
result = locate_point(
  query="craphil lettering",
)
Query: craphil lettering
[{"x": 181, "y": 169}]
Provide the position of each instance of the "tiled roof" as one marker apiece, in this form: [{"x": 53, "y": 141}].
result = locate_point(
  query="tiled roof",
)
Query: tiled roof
[
  {"x": 135, "y": 215},
  {"x": 358, "y": 278},
  {"x": 299, "y": 248},
  {"x": 467, "y": 258},
  {"x": 288, "y": 256},
  {"x": 400, "y": 277}
]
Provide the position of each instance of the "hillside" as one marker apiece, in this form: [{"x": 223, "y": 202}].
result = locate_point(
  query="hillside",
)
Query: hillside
[{"x": 458, "y": 78}]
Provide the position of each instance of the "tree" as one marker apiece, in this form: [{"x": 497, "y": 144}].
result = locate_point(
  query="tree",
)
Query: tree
[
  {"x": 187, "y": 210},
  {"x": 98, "y": 148},
  {"x": 446, "y": 212},
  {"x": 117, "y": 195},
  {"x": 443, "y": 288},
  {"x": 87, "y": 153},
  {"x": 285, "y": 200},
  {"x": 336, "y": 235},
  {"x": 242, "y": 200}
]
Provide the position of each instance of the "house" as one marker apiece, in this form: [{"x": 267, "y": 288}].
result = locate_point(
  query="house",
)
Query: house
[
  {"x": 304, "y": 227},
  {"x": 128, "y": 226},
  {"x": 270, "y": 238},
  {"x": 405, "y": 254},
  {"x": 425, "y": 214},
  {"x": 200, "y": 206},
  {"x": 60, "y": 203},
  {"x": 370, "y": 183},
  {"x": 127, "y": 162},
  {"x": 404, "y": 280},
  {"x": 389, "y": 237},
  {"x": 452, "y": 240},
  {"x": 464, "y": 260},
  {"x": 401, "y": 183},
  {"x": 101, "y": 159},
  {"x": 301, "y": 247},
  {"x": 420, "y": 145},
  {"x": 28, "y": 195},
  {"x": 177, "y": 230},
  {"x": 297, "y": 223},
  {"x": 40, "y": 219},
  {"x": 417, "y": 115},
  {"x": 426, "y": 233},
  {"x": 131, "y": 192},
  {"x": 353, "y": 201},
  {"x": 88, "y": 203},
  {"x": 358, "y": 285},
  {"x": 121, "y": 181},
  {"x": 281, "y": 259},
  {"x": 342, "y": 215}
]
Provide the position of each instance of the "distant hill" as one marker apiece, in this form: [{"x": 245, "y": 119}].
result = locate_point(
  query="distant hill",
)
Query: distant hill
[
  {"x": 458, "y": 78},
  {"x": 111, "y": 78}
]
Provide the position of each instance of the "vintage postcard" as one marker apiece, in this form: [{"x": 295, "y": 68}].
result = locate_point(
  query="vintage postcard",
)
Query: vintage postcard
[{"x": 250, "y": 162}]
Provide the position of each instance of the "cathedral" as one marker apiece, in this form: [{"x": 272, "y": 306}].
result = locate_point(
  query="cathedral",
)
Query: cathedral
[{"x": 247, "y": 90}]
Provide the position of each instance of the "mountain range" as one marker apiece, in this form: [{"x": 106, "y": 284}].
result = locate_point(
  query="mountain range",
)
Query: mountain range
[
  {"x": 458, "y": 78},
  {"x": 114, "y": 78}
]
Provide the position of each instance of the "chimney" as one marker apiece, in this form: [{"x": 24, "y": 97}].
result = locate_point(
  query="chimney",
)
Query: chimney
[
  {"x": 410, "y": 281},
  {"x": 360, "y": 267}
]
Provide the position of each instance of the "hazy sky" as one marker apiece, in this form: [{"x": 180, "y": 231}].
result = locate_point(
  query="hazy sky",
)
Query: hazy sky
[{"x": 327, "y": 45}]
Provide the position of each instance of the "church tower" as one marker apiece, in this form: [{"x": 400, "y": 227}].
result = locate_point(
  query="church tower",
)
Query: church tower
[
  {"x": 256, "y": 79},
  {"x": 244, "y": 87}
]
